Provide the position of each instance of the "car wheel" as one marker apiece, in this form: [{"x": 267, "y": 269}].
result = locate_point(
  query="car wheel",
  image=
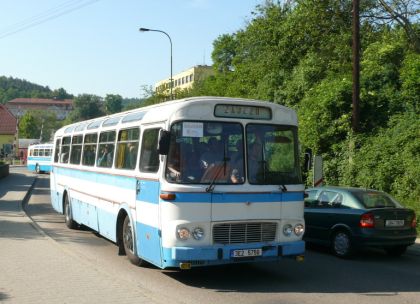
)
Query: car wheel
[
  {"x": 37, "y": 170},
  {"x": 396, "y": 251},
  {"x": 68, "y": 217},
  {"x": 128, "y": 242},
  {"x": 341, "y": 244}
]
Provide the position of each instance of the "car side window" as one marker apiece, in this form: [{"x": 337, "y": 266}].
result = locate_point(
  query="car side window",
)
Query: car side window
[{"x": 330, "y": 199}]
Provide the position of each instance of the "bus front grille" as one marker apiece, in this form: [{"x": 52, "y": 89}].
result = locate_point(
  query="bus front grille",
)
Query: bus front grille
[{"x": 236, "y": 233}]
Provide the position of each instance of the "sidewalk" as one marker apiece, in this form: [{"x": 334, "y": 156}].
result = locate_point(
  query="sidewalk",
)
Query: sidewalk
[{"x": 35, "y": 269}]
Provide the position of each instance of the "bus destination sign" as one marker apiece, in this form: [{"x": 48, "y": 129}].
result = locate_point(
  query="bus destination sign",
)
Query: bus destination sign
[{"x": 241, "y": 111}]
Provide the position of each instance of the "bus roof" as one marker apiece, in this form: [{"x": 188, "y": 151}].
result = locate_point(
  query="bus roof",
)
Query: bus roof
[{"x": 187, "y": 108}]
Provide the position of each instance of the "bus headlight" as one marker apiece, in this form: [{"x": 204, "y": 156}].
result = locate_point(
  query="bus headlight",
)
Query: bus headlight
[
  {"x": 183, "y": 233},
  {"x": 299, "y": 229},
  {"x": 287, "y": 230},
  {"x": 198, "y": 233}
]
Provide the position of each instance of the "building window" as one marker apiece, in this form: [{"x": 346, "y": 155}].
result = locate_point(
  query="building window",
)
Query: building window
[{"x": 191, "y": 77}]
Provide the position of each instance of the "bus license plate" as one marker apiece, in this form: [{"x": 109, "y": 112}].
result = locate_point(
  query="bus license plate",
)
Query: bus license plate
[
  {"x": 394, "y": 223},
  {"x": 244, "y": 253}
]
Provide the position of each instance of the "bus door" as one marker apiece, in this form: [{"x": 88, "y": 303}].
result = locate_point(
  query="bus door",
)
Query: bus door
[
  {"x": 147, "y": 198},
  {"x": 56, "y": 202}
]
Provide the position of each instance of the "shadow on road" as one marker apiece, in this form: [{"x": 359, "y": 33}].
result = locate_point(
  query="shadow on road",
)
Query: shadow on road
[{"x": 368, "y": 273}]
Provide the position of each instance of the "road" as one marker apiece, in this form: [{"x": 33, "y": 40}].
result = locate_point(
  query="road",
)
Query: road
[{"x": 371, "y": 277}]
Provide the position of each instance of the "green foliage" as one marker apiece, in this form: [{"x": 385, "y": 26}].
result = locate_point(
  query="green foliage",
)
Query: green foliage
[
  {"x": 28, "y": 126},
  {"x": 390, "y": 160},
  {"x": 11, "y": 88},
  {"x": 38, "y": 124},
  {"x": 113, "y": 103},
  {"x": 86, "y": 106}
]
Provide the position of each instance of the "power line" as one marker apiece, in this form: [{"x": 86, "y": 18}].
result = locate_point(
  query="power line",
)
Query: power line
[{"x": 50, "y": 14}]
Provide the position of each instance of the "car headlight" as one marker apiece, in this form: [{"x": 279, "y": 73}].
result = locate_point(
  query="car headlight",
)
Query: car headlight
[
  {"x": 183, "y": 233},
  {"x": 198, "y": 233},
  {"x": 299, "y": 229},
  {"x": 287, "y": 230}
]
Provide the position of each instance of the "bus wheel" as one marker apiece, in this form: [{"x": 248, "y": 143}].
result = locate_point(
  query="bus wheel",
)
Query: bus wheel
[
  {"x": 37, "y": 170},
  {"x": 70, "y": 223},
  {"x": 128, "y": 242}
]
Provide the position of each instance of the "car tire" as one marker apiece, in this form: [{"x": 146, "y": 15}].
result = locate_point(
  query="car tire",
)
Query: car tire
[
  {"x": 128, "y": 243},
  {"x": 341, "y": 244},
  {"x": 396, "y": 251},
  {"x": 68, "y": 217}
]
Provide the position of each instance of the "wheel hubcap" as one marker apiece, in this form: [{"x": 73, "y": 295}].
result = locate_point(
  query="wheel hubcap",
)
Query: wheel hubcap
[{"x": 341, "y": 243}]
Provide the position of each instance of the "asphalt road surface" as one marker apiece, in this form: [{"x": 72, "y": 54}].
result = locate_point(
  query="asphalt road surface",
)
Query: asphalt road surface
[{"x": 371, "y": 277}]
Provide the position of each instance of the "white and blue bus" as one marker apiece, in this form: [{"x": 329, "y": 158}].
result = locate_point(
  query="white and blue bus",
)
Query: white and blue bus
[
  {"x": 39, "y": 158},
  {"x": 192, "y": 182}
]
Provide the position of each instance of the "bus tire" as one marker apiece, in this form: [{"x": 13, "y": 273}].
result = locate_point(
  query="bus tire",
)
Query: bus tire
[
  {"x": 128, "y": 242},
  {"x": 68, "y": 217},
  {"x": 37, "y": 170}
]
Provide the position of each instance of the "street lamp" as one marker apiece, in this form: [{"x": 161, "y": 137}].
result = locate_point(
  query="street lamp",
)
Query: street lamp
[{"x": 142, "y": 29}]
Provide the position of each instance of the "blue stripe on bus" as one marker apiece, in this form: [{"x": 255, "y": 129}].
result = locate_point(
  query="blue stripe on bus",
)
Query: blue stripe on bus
[
  {"x": 125, "y": 182},
  {"x": 39, "y": 158},
  {"x": 237, "y": 197},
  {"x": 46, "y": 168}
]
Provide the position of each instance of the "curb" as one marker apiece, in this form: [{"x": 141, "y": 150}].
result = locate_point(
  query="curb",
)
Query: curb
[{"x": 27, "y": 196}]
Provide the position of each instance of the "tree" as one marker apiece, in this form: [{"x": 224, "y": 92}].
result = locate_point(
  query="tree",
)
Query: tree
[
  {"x": 60, "y": 94},
  {"x": 404, "y": 13},
  {"x": 38, "y": 124},
  {"x": 29, "y": 126},
  {"x": 86, "y": 106},
  {"x": 113, "y": 103}
]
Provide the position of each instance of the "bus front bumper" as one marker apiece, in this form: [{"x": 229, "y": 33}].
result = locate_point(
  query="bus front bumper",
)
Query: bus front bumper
[{"x": 225, "y": 254}]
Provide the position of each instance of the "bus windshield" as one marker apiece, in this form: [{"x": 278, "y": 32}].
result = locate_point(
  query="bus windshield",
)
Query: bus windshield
[{"x": 214, "y": 153}]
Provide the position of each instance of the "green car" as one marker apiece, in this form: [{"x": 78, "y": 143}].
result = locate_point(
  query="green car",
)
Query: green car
[{"x": 347, "y": 219}]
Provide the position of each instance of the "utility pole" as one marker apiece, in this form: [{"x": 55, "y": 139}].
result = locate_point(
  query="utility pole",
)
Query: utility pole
[{"x": 356, "y": 68}]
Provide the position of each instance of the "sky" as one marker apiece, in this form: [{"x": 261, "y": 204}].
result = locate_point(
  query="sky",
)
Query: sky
[{"x": 95, "y": 47}]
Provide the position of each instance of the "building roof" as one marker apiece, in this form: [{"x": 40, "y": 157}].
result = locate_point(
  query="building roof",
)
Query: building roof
[
  {"x": 7, "y": 121},
  {"x": 41, "y": 101}
]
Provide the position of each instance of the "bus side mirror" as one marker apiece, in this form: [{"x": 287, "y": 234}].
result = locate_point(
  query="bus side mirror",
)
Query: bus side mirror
[
  {"x": 164, "y": 140},
  {"x": 308, "y": 160}
]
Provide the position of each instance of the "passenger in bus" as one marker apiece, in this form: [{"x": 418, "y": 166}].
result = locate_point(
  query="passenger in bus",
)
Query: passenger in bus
[
  {"x": 255, "y": 161},
  {"x": 105, "y": 160},
  {"x": 132, "y": 156}
]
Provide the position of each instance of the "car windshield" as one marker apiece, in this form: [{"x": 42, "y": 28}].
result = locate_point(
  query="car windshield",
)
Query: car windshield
[
  {"x": 214, "y": 153},
  {"x": 374, "y": 199}
]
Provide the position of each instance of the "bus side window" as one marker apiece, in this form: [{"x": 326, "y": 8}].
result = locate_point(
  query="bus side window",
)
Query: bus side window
[
  {"x": 76, "y": 149},
  {"x": 35, "y": 152},
  {"x": 65, "y": 149},
  {"x": 89, "y": 149},
  {"x": 105, "y": 155},
  {"x": 149, "y": 156},
  {"x": 57, "y": 150},
  {"x": 127, "y": 148}
]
